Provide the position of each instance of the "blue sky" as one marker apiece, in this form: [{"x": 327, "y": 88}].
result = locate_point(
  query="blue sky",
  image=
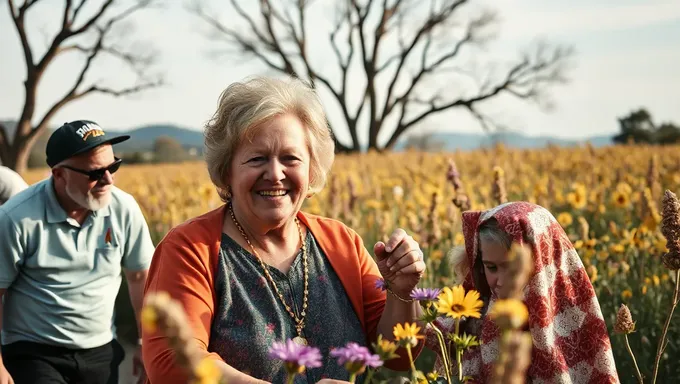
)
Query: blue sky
[{"x": 627, "y": 56}]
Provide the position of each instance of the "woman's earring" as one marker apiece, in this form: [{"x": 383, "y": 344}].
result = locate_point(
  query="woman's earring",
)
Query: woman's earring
[{"x": 228, "y": 193}]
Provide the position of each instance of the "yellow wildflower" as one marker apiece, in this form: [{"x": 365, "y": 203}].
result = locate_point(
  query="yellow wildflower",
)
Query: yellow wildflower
[
  {"x": 207, "y": 372},
  {"x": 565, "y": 219},
  {"x": 627, "y": 294},
  {"x": 407, "y": 334},
  {"x": 509, "y": 314},
  {"x": 149, "y": 319},
  {"x": 456, "y": 303},
  {"x": 620, "y": 199}
]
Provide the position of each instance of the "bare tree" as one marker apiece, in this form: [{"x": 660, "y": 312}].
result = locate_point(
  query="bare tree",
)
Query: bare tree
[
  {"x": 73, "y": 35},
  {"x": 401, "y": 50}
]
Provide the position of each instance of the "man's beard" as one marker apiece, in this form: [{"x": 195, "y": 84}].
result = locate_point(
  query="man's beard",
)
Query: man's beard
[{"x": 88, "y": 200}]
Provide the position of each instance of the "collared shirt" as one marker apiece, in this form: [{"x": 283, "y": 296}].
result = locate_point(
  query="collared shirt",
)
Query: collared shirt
[
  {"x": 62, "y": 278},
  {"x": 11, "y": 183}
]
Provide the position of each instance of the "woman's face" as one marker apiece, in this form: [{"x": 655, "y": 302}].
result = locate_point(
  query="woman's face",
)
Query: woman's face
[
  {"x": 269, "y": 176},
  {"x": 495, "y": 260}
]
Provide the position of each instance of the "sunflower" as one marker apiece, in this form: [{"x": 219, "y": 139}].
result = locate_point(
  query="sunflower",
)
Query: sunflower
[
  {"x": 454, "y": 302},
  {"x": 509, "y": 314},
  {"x": 577, "y": 199},
  {"x": 621, "y": 199},
  {"x": 565, "y": 219}
]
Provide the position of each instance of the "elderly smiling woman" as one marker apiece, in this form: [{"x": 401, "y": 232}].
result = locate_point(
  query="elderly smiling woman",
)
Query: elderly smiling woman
[{"x": 257, "y": 269}]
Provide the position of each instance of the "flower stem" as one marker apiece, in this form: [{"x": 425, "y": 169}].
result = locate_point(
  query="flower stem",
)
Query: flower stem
[
  {"x": 410, "y": 358},
  {"x": 459, "y": 360},
  {"x": 459, "y": 353},
  {"x": 291, "y": 378},
  {"x": 630, "y": 351},
  {"x": 369, "y": 376},
  {"x": 353, "y": 378},
  {"x": 662, "y": 340},
  {"x": 445, "y": 355}
]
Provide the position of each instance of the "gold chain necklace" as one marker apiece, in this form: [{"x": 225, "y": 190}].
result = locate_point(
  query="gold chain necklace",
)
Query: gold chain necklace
[{"x": 299, "y": 321}]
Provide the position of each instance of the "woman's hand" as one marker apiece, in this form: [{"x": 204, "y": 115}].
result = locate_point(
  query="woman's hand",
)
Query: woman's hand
[{"x": 400, "y": 262}]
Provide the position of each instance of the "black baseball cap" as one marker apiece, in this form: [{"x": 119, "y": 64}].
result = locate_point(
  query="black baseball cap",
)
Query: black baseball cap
[{"x": 75, "y": 138}]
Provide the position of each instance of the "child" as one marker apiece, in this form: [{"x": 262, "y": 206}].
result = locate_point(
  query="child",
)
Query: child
[{"x": 570, "y": 339}]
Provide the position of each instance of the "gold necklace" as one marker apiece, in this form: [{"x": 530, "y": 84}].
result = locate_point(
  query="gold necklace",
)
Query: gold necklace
[{"x": 299, "y": 321}]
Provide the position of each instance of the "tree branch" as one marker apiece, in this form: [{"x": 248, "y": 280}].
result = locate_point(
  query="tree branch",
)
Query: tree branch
[
  {"x": 434, "y": 19},
  {"x": 97, "y": 16},
  {"x": 278, "y": 38},
  {"x": 529, "y": 72},
  {"x": 18, "y": 19}
]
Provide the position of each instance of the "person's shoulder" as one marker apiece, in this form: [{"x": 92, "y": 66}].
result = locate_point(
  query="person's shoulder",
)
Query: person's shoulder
[
  {"x": 335, "y": 229},
  {"x": 204, "y": 228},
  {"x": 9, "y": 175},
  {"x": 26, "y": 201}
]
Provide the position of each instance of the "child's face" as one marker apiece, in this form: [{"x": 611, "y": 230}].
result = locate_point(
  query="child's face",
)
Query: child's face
[{"x": 495, "y": 260}]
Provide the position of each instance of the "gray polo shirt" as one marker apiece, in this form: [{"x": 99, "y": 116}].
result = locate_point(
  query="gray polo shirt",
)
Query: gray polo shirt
[{"x": 62, "y": 278}]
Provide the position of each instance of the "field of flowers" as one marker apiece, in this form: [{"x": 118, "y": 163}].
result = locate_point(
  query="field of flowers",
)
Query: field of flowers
[{"x": 607, "y": 199}]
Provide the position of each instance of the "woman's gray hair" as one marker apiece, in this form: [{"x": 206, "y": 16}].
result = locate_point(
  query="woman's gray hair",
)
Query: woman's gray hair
[
  {"x": 244, "y": 106},
  {"x": 491, "y": 232}
]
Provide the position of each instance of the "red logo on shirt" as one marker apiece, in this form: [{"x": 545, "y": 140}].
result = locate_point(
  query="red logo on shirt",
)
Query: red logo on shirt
[{"x": 107, "y": 238}]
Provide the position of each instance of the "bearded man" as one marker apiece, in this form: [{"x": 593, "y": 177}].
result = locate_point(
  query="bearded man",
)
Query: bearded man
[{"x": 64, "y": 242}]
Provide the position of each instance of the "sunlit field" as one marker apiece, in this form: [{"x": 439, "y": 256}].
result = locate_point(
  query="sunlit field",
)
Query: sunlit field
[{"x": 608, "y": 200}]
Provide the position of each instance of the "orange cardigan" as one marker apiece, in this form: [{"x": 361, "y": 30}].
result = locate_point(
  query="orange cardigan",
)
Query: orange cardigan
[{"x": 184, "y": 265}]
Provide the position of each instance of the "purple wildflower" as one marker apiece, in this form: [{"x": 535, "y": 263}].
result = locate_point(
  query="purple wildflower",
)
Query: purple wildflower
[
  {"x": 425, "y": 294},
  {"x": 296, "y": 356},
  {"x": 381, "y": 284},
  {"x": 356, "y": 357}
]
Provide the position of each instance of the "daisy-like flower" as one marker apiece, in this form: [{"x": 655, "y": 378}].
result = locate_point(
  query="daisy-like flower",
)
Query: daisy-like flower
[
  {"x": 381, "y": 284},
  {"x": 355, "y": 358},
  {"x": 509, "y": 314},
  {"x": 385, "y": 349},
  {"x": 295, "y": 357},
  {"x": 455, "y": 303},
  {"x": 407, "y": 334},
  {"x": 425, "y": 294}
]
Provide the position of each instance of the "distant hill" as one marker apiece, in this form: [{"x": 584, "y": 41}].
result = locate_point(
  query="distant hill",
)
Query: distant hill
[{"x": 143, "y": 137}]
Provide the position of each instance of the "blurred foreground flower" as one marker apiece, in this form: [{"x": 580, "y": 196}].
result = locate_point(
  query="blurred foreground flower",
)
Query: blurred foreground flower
[
  {"x": 509, "y": 314},
  {"x": 670, "y": 228},
  {"x": 519, "y": 267},
  {"x": 161, "y": 313},
  {"x": 514, "y": 359},
  {"x": 356, "y": 359},
  {"x": 295, "y": 357}
]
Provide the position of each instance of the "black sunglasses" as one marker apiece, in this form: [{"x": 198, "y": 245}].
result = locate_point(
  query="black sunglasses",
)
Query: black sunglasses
[{"x": 98, "y": 174}]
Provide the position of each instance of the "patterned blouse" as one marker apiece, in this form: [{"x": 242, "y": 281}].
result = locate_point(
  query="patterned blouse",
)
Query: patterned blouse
[{"x": 249, "y": 315}]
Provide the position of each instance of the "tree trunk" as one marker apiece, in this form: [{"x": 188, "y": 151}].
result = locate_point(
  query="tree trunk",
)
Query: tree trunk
[{"x": 17, "y": 158}]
